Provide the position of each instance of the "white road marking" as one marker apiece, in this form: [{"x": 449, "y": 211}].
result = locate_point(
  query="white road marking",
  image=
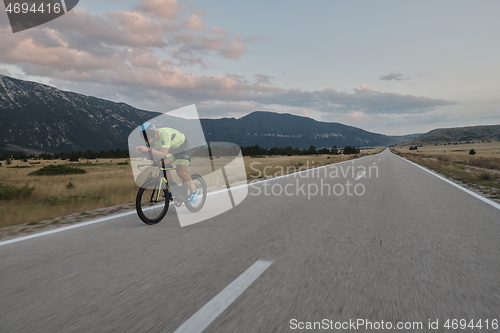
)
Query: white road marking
[
  {"x": 374, "y": 163},
  {"x": 361, "y": 175},
  {"x": 208, "y": 313},
  {"x": 480, "y": 197},
  {"x": 15, "y": 240}
]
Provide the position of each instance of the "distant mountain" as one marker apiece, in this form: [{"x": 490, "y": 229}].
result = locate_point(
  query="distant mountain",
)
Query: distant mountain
[
  {"x": 459, "y": 134},
  {"x": 269, "y": 129},
  {"x": 40, "y": 117},
  {"x": 37, "y": 117}
]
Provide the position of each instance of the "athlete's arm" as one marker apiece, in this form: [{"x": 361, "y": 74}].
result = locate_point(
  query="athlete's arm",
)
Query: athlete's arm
[{"x": 158, "y": 153}]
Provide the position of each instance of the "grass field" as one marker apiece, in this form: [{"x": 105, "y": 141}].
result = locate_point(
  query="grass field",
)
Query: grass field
[
  {"x": 106, "y": 183},
  {"x": 480, "y": 172}
]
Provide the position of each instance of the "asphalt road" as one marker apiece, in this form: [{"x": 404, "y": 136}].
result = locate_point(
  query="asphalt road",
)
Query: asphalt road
[{"x": 411, "y": 248}]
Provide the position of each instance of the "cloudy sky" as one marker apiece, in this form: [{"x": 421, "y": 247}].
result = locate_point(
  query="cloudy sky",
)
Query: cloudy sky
[{"x": 392, "y": 67}]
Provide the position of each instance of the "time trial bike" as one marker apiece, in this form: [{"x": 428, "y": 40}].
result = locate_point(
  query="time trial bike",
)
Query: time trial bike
[{"x": 154, "y": 197}]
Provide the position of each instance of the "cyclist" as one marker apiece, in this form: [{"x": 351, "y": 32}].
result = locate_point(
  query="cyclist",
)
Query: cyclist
[{"x": 171, "y": 145}]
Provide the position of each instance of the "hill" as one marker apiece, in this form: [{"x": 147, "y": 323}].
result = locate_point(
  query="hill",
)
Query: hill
[
  {"x": 38, "y": 117},
  {"x": 459, "y": 134}
]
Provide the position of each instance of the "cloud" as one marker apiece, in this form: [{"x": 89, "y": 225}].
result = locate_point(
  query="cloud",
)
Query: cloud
[
  {"x": 3, "y": 72},
  {"x": 363, "y": 100},
  {"x": 364, "y": 87},
  {"x": 393, "y": 76},
  {"x": 80, "y": 38},
  {"x": 217, "y": 30},
  {"x": 165, "y": 9},
  {"x": 195, "y": 22},
  {"x": 263, "y": 79},
  {"x": 138, "y": 53}
]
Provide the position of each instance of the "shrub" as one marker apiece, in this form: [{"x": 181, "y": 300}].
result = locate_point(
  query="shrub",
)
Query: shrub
[
  {"x": 123, "y": 163},
  {"x": 485, "y": 175},
  {"x": 8, "y": 161},
  {"x": 70, "y": 185},
  {"x": 13, "y": 192},
  {"x": 472, "y": 152},
  {"x": 51, "y": 170}
]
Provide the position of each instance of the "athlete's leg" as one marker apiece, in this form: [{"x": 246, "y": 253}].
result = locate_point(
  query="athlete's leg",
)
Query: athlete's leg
[{"x": 182, "y": 171}]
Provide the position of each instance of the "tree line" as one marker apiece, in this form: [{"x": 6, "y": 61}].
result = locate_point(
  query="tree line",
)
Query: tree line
[
  {"x": 71, "y": 156},
  {"x": 255, "y": 150}
]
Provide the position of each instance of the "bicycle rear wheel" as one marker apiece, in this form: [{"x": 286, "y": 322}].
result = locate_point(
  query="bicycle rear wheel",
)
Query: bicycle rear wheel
[
  {"x": 152, "y": 201},
  {"x": 201, "y": 186}
]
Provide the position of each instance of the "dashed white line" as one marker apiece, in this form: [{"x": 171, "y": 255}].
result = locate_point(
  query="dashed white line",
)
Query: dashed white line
[
  {"x": 208, "y": 313},
  {"x": 361, "y": 175}
]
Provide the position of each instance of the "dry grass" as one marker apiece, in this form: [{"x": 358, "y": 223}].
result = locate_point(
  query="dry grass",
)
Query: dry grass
[
  {"x": 480, "y": 172},
  {"x": 107, "y": 184},
  {"x": 459, "y": 152},
  {"x": 272, "y": 166}
]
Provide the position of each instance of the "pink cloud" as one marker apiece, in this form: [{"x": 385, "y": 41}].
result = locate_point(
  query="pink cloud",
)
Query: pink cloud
[
  {"x": 233, "y": 49},
  {"x": 195, "y": 22},
  {"x": 140, "y": 51},
  {"x": 364, "y": 87},
  {"x": 220, "y": 31}
]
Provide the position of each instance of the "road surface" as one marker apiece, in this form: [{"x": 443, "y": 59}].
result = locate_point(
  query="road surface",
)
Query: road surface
[{"x": 411, "y": 248}]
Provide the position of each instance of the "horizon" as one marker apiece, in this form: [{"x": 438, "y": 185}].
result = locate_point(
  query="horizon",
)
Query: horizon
[
  {"x": 222, "y": 117},
  {"x": 363, "y": 65}
]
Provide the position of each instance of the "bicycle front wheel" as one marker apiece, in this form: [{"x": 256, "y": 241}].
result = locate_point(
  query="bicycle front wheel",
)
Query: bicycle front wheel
[{"x": 152, "y": 201}]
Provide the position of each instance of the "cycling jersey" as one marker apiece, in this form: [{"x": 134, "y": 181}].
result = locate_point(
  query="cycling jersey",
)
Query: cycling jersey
[{"x": 169, "y": 138}]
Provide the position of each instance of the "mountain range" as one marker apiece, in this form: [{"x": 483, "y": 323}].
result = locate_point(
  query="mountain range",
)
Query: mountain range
[{"x": 41, "y": 118}]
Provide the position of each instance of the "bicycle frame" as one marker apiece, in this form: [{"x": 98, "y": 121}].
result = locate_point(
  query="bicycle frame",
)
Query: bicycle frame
[{"x": 180, "y": 197}]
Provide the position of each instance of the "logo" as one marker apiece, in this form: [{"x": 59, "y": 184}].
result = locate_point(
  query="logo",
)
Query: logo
[
  {"x": 28, "y": 14},
  {"x": 217, "y": 169}
]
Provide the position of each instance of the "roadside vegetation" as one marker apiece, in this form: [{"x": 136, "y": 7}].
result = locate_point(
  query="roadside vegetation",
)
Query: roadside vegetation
[
  {"x": 52, "y": 188},
  {"x": 474, "y": 165},
  {"x": 33, "y": 190},
  {"x": 52, "y": 170},
  {"x": 261, "y": 167}
]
